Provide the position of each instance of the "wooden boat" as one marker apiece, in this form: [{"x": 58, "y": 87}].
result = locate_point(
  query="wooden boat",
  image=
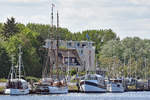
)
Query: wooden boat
[{"x": 50, "y": 84}]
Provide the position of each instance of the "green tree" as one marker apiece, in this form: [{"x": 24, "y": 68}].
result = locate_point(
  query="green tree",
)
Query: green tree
[
  {"x": 10, "y": 28},
  {"x": 28, "y": 40},
  {"x": 99, "y": 37},
  {"x": 4, "y": 63},
  {"x": 1, "y": 27}
]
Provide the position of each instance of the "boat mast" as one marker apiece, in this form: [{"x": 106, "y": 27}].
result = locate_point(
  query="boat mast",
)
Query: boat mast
[
  {"x": 68, "y": 66},
  {"x": 51, "y": 40},
  {"x": 145, "y": 67},
  {"x": 124, "y": 66},
  {"x": 57, "y": 47},
  {"x": 20, "y": 53},
  {"x": 130, "y": 66},
  {"x": 52, "y": 17},
  {"x": 12, "y": 69}
]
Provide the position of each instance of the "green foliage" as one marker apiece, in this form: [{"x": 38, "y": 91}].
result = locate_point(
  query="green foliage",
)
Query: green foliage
[
  {"x": 99, "y": 37},
  {"x": 126, "y": 57},
  {"x": 63, "y": 47},
  {"x": 1, "y": 27},
  {"x": 32, "y": 38},
  {"x": 10, "y": 28},
  {"x": 73, "y": 72},
  {"x": 28, "y": 40},
  {"x": 4, "y": 63},
  {"x": 32, "y": 79},
  {"x": 82, "y": 73},
  {"x": 3, "y": 80},
  {"x": 45, "y": 31},
  {"x": 2, "y": 89}
]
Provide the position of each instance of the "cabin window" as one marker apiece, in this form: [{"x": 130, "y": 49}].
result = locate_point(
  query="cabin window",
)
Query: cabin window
[
  {"x": 48, "y": 44},
  {"x": 78, "y": 44},
  {"x": 69, "y": 44},
  {"x": 73, "y": 60},
  {"x": 66, "y": 59},
  {"x": 81, "y": 51},
  {"x": 83, "y": 45}
]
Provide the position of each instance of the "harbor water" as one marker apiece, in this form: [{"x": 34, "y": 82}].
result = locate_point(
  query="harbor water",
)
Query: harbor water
[{"x": 83, "y": 96}]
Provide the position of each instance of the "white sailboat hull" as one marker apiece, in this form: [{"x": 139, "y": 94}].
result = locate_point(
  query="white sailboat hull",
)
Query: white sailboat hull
[
  {"x": 57, "y": 90},
  {"x": 16, "y": 91},
  {"x": 112, "y": 87}
]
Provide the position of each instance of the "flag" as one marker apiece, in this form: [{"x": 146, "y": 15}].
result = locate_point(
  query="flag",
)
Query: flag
[{"x": 87, "y": 36}]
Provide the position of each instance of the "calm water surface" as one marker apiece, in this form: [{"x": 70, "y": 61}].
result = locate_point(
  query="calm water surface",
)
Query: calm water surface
[{"x": 82, "y": 96}]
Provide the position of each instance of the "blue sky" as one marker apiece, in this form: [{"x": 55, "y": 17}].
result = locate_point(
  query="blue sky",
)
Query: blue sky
[{"x": 125, "y": 17}]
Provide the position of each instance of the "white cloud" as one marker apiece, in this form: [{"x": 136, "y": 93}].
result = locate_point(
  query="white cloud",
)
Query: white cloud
[
  {"x": 125, "y": 17},
  {"x": 140, "y": 2},
  {"x": 24, "y": 1}
]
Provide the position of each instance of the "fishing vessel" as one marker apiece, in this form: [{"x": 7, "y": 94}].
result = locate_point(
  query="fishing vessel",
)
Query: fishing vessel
[
  {"x": 93, "y": 83},
  {"x": 53, "y": 83},
  {"x": 115, "y": 85},
  {"x": 16, "y": 84}
]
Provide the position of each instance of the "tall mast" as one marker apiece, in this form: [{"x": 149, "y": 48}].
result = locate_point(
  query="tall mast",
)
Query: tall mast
[
  {"x": 145, "y": 68},
  {"x": 12, "y": 69},
  {"x": 130, "y": 66},
  {"x": 68, "y": 66},
  {"x": 20, "y": 53},
  {"x": 57, "y": 20},
  {"x": 52, "y": 17},
  {"x": 57, "y": 72},
  {"x": 51, "y": 38},
  {"x": 124, "y": 65}
]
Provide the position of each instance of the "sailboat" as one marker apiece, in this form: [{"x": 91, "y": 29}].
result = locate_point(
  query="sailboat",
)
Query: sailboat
[
  {"x": 16, "y": 84},
  {"x": 52, "y": 84}
]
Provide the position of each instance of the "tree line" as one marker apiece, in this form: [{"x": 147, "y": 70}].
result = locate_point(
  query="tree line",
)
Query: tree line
[
  {"x": 129, "y": 57},
  {"x": 111, "y": 52}
]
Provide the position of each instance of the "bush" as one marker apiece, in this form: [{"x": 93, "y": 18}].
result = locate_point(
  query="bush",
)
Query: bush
[
  {"x": 3, "y": 80},
  {"x": 82, "y": 73},
  {"x": 73, "y": 72},
  {"x": 2, "y": 89},
  {"x": 33, "y": 79}
]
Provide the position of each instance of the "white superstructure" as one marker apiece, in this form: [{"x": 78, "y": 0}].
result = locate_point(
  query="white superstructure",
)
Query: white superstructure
[
  {"x": 115, "y": 85},
  {"x": 17, "y": 87},
  {"x": 92, "y": 83}
]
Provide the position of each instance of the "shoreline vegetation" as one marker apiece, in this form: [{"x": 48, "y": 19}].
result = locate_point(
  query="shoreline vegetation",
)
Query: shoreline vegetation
[
  {"x": 129, "y": 57},
  {"x": 1, "y": 89},
  {"x": 3, "y": 80}
]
